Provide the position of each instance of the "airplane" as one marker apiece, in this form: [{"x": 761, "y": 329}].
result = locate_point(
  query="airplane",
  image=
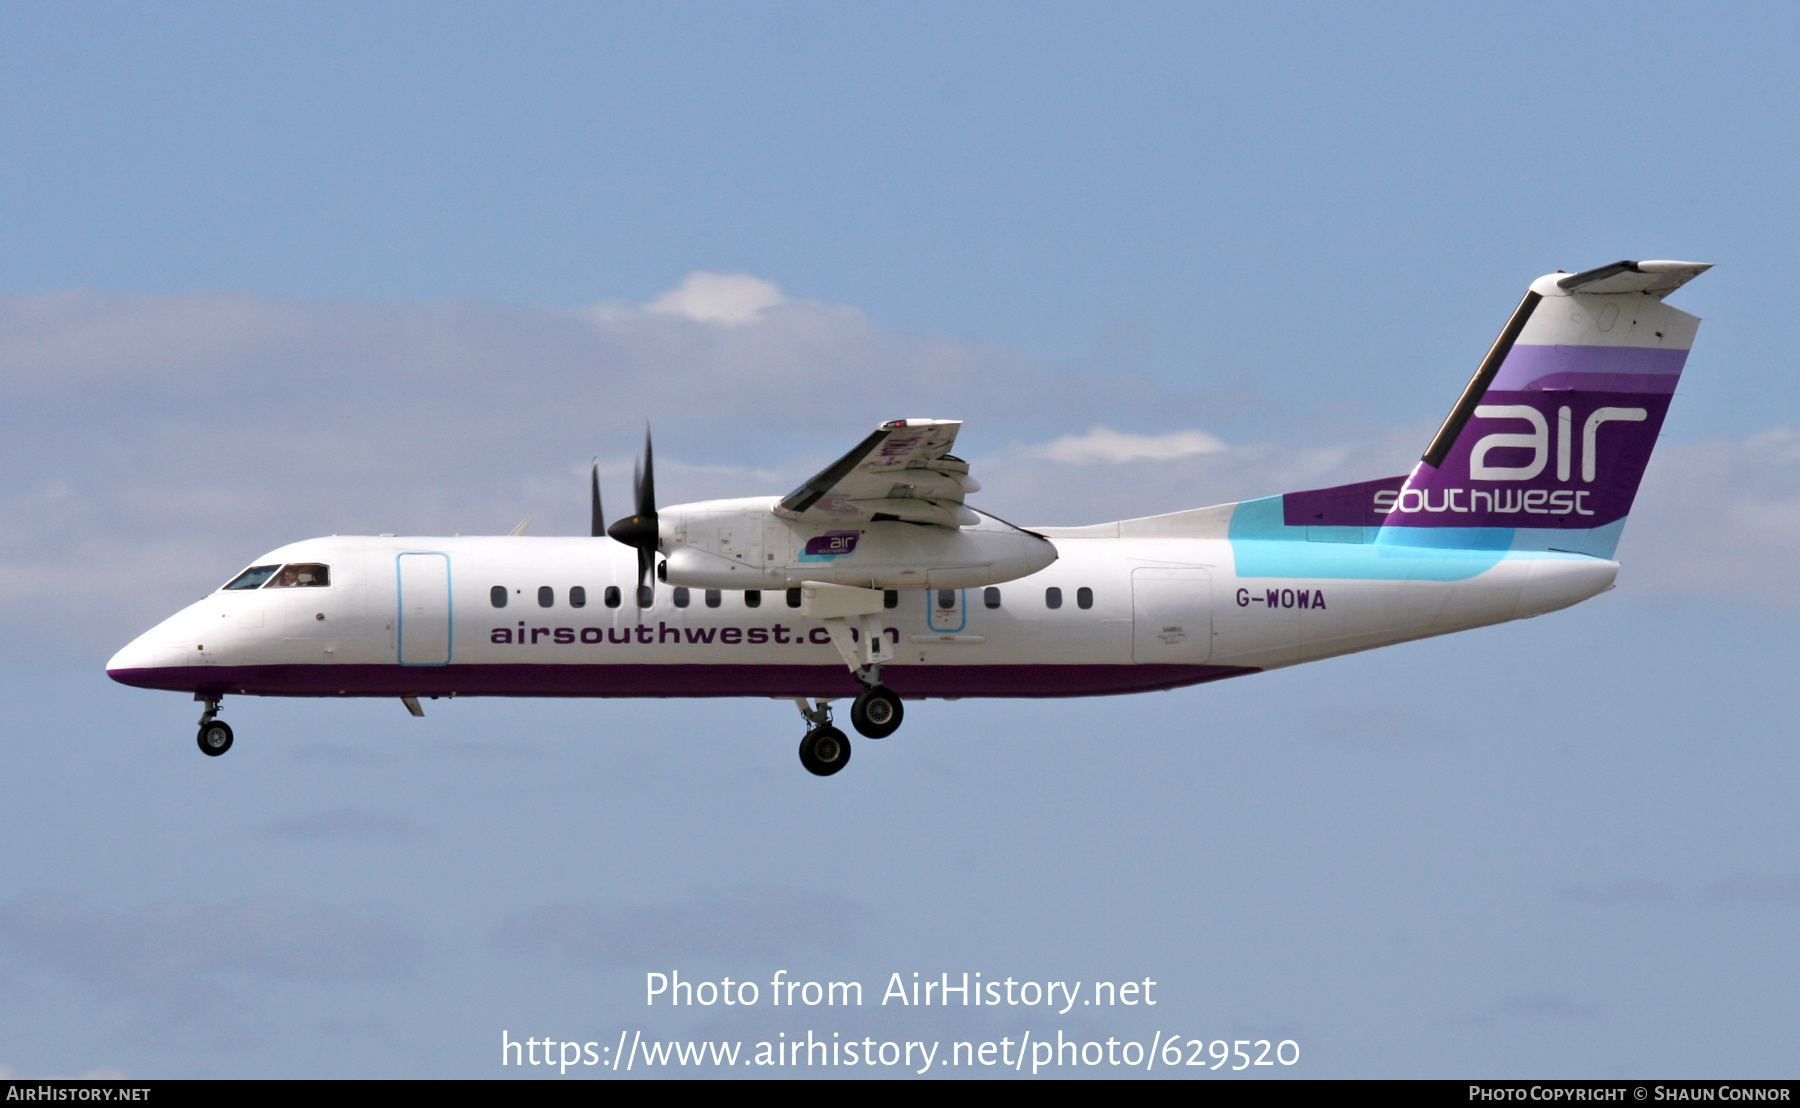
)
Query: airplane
[{"x": 876, "y": 581}]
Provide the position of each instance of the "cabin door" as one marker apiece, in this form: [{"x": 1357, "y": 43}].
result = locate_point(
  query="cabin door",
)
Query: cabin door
[
  {"x": 1171, "y": 614},
  {"x": 422, "y": 633}
]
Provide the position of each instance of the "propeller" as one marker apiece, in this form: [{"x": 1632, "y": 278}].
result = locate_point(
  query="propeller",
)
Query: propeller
[{"x": 640, "y": 530}]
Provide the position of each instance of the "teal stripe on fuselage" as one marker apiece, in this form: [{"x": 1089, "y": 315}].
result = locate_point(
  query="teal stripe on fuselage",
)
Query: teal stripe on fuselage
[{"x": 1264, "y": 546}]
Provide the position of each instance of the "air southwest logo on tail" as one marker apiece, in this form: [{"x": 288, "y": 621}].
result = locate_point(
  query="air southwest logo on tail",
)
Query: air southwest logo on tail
[
  {"x": 1576, "y": 464},
  {"x": 1531, "y": 452}
]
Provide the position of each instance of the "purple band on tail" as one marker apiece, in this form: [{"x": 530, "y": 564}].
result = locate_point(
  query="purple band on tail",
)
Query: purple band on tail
[{"x": 1593, "y": 368}]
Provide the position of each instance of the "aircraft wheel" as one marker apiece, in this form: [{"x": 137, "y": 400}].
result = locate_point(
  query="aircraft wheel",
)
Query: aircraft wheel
[
  {"x": 215, "y": 738},
  {"x": 877, "y": 712},
  {"x": 824, "y": 751}
]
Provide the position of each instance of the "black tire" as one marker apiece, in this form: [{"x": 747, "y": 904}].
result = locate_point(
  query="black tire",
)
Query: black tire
[
  {"x": 824, "y": 751},
  {"x": 877, "y": 713},
  {"x": 214, "y": 738}
]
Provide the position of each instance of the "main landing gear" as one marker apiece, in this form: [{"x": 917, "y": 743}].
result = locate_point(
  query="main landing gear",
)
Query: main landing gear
[
  {"x": 215, "y": 733},
  {"x": 854, "y": 618},
  {"x": 825, "y": 749},
  {"x": 877, "y": 712}
]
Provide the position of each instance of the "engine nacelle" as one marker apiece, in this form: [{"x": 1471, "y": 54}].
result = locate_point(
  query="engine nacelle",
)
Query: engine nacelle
[{"x": 743, "y": 544}]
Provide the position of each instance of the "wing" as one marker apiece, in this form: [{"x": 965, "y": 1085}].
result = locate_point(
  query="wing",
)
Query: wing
[{"x": 903, "y": 471}]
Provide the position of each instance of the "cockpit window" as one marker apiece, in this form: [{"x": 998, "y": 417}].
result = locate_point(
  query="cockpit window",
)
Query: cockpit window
[
  {"x": 301, "y": 575},
  {"x": 252, "y": 577}
]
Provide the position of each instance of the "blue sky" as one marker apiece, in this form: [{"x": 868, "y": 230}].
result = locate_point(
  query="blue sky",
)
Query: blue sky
[{"x": 274, "y": 273}]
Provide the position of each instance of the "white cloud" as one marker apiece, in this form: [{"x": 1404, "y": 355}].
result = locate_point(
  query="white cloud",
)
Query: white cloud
[
  {"x": 728, "y": 298},
  {"x": 1103, "y": 444},
  {"x": 1717, "y": 518},
  {"x": 1054, "y": 495}
]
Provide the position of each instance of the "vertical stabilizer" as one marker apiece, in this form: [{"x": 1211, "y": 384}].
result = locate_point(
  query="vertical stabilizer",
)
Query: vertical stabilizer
[{"x": 1547, "y": 444}]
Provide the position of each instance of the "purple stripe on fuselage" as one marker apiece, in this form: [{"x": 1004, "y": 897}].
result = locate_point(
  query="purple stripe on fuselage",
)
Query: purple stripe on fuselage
[
  {"x": 520, "y": 679},
  {"x": 1597, "y": 369}
]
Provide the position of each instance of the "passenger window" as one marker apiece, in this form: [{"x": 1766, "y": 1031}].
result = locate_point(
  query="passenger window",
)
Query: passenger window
[
  {"x": 793, "y": 598},
  {"x": 681, "y": 596},
  {"x": 497, "y": 596},
  {"x": 546, "y": 596},
  {"x": 890, "y": 598},
  {"x": 752, "y": 598},
  {"x": 990, "y": 597},
  {"x": 612, "y": 596},
  {"x": 252, "y": 577},
  {"x": 1084, "y": 597},
  {"x": 946, "y": 599},
  {"x": 646, "y": 595},
  {"x": 577, "y": 597},
  {"x": 713, "y": 597},
  {"x": 1052, "y": 597},
  {"x": 301, "y": 575}
]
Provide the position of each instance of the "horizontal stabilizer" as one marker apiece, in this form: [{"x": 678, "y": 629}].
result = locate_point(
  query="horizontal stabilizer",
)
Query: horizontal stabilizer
[{"x": 1656, "y": 278}]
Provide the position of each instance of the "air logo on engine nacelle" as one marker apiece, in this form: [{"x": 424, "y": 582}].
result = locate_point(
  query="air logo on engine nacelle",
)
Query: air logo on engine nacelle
[{"x": 830, "y": 545}]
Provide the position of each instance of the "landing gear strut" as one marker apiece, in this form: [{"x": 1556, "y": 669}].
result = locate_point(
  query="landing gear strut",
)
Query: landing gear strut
[
  {"x": 854, "y": 618},
  {"x": 215, "y": 733},
  {"x": 825, "y": 749}
]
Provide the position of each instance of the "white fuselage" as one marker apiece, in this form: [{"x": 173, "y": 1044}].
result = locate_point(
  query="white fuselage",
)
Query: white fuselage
[{"x": 418, "y": 617}]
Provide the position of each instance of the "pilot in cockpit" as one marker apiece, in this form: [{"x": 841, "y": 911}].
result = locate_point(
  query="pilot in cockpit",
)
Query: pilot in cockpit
[{"x": 300, "y": 575}]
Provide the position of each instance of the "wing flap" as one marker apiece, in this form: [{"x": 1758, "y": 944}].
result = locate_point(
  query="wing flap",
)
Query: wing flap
[{"x": 903, "y": 470}]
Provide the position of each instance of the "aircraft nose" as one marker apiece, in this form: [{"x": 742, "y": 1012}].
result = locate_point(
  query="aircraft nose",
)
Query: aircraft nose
[
  {"x": 137, "y": 665},
  {"x": 136, "y": 655}
]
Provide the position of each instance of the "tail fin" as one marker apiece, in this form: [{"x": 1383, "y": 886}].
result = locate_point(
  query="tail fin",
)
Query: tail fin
[{"x": 1548, "y": 442}]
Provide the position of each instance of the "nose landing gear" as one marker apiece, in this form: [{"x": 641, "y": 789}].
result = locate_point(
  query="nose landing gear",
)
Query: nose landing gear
[{"x": 215, "y": 733}]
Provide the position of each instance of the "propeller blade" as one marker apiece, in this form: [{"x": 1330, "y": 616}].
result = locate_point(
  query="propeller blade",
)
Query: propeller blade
[
  {"x": 599, "y": 520},
  {"x": 640, "y": 531},
  {"x": 646, "y": 489}
]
